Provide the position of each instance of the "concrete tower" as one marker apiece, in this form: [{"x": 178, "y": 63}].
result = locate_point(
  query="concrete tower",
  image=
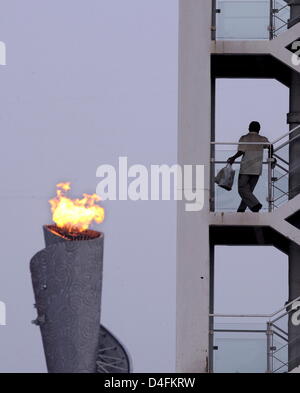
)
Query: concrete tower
[{"x": 203, "y": 57}]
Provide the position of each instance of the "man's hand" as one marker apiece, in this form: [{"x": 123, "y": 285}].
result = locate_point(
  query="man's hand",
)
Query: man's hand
[{"x": 231, "y": 160}]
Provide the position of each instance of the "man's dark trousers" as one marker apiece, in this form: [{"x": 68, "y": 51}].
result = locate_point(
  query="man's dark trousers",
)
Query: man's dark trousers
[{"x": 246, "y": 186}]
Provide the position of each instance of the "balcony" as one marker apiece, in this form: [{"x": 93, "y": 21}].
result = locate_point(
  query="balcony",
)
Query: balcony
[{"x": 249, "y": 19}]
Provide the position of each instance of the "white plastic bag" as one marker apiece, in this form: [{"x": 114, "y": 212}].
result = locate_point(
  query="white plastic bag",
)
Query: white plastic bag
[{"x": 225, "y": 178}]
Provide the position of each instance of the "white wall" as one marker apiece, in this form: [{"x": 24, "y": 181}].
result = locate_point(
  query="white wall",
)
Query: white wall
[{"x": 194, "y": 148}]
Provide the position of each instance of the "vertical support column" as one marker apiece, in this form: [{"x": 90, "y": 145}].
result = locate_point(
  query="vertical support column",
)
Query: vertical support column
[
  {"x": 213, "y": 147},
  {"x": 272, "y": 26},
  {"x": 294, "y": 292},
  {"x": 294, "y": 189},
  {"x": 211, "y": 309},
  {"x": 269, "y": 348},
  {"x": 193, "y": 249},
  {"x": 212, "y": 208},
  {"x": 270, "y": 186},
  {"x": 295, "y": 12},
  {"x": 294, "y": 121},
  {"x": 214, "y": 20}
]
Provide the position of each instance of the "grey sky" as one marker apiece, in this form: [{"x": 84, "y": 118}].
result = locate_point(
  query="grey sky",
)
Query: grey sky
[{"x": 87, "y": 82}]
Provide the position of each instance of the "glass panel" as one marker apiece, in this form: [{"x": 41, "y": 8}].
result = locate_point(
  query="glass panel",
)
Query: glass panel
[
  {"x": 230, "y": 200},
  {"x": 237, "y": 352},
  {"x": 241, "y": 347},
  {"x": 243, "y": 19}
]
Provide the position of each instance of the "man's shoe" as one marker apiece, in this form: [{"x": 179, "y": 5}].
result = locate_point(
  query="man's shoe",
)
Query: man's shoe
[
  {"x": 256, "y": 208},
  {"x": 241, "y": 210}
]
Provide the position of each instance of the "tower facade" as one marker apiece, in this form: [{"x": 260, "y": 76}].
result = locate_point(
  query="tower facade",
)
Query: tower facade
[{"x": 210, "y": 49}]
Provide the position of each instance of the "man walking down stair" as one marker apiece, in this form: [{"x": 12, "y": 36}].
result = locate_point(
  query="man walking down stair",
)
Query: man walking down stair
[{"x": 251, "y": 166}]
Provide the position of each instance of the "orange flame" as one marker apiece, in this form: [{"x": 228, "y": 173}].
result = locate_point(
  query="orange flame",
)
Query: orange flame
[{"x": 75, "y": 215}]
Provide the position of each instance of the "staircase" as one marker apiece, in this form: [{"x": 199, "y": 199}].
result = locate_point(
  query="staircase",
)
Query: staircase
[
  {"x": 281, "y": 190},
  {"x": 277, "y": 225},
  {"x": 262, "y": 28},
  {"x": 240, "y": 52}
]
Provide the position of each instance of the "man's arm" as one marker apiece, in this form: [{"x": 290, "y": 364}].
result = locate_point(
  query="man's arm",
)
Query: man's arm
[{"x": 233, "y": 158}]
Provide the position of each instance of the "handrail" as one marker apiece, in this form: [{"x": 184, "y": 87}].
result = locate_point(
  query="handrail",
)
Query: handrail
[
  {"x": 268, "y": 316},
  {"x": 286, "y": 134},
  {"x": 286, "y": 143},
  {"x": 280, "y": 316},
  {"x": 240, "y": 143},
  {"x": 259, "y": 143},
  {"x": 236, "y": 162},
  {"x": 239, "y": 315},
  {"x": 239, "y": 330}
]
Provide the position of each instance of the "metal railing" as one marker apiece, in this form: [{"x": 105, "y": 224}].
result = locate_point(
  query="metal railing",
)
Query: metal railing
[
  {"x": 279, "y": 15},
  {"x": 274, "y": 189},
  {"x": 255, "y": 19},
  {"x": 219, "y": 159},
  {"x": 281, "y": 187},
  {"x": 276, "y": 356}
]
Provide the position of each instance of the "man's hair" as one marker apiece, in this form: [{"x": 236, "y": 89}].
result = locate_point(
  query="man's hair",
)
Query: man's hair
[{"x": 254, "y": 126}]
